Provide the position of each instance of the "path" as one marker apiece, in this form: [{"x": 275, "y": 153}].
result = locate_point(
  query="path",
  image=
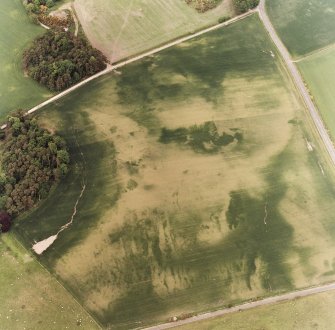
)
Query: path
[
  {"x": 110, "y": 68},
  {"x": 246, "y": 306},
  {"x": 298, "y": 81},
  {"x": 69, "y": 6},
  {"x": 314, "y": 53}
]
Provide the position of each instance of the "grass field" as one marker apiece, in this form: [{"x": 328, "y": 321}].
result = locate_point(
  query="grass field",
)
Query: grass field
[
  {"x": 318, "y": 71},
  {"x": 304, "y": 26},
  {"x": 16, "y": 90},
  {"x": 309, "y": 313},
  {"x": 201, "y": 187},
  {"x": 123, "y": 28},
  {"x": 30, "y": 298}
]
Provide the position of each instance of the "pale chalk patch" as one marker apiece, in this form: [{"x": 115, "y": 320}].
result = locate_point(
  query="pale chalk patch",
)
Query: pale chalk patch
[
  {"x": 321, "y": 168},
  {"x": 41, "y": 246},
  {"x": 309, "y": 145}
]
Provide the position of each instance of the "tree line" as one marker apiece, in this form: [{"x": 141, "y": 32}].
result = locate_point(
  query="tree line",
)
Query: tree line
[
  {"x": 59, "y": 60},
  {"x": 203, "y": 5},
  {"x": 242, "y": 6},
  {"x": 33, "y": 160},
  {"x": 36, "y": 7}
]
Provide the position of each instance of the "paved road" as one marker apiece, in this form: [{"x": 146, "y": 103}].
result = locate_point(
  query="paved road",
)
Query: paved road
[
  {"x": 298, "y": 81},
  {"x": 246, "y": 306}
]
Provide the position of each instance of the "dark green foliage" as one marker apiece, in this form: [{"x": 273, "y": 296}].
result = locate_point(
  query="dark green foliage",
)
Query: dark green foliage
[
  {"x": 203, "y": 5},
  {"x": 59, "y": 59},
  {"x": 243, "y": 6},
  {"x": 201, "y": 138},
  {"x": 5, "y": 222},
  {"x": 236, "y": 210},
  {"x": 223, "y": 19},
  {"x": 33, "y": 160},
  {"x": 38, "y": 6}
]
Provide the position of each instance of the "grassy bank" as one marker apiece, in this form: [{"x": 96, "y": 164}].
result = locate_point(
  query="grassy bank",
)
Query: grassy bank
[{"x": 30, "y": 298}]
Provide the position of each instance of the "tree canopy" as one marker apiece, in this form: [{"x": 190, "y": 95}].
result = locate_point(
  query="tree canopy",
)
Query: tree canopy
[
  {"x": 5, "y": 222},
  {"x": 32, "y": 161},
  {"x": 243, "y": 6},
  {"x": 38, "y": 6},
  {"x": 59, "y": 59}
]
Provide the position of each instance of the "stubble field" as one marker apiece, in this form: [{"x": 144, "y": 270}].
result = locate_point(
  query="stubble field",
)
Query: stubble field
[
  {"x": 123, "y": 28},
  {"x": 197, "y": 184}
]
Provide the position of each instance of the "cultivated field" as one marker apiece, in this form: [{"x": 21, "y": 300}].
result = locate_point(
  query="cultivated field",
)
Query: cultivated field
[
  {"x": 318, "y": 71},
  {"x": 304, "y": 26},
  {"x": 16, "y": 90},
  {"x": 30, "y": 298},
  {"x": 309, "y": 313},
  {"x": 123, "y": 28},
  {"x": 194, "y": 184}
]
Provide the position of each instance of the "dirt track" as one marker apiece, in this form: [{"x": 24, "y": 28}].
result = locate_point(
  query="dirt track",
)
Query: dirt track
[
  {"x": 246, "y": 306},
  {"x": 110, "y": 68}
]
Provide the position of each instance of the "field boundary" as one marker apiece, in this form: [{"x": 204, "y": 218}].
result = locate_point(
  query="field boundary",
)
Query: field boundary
[
  {"x": 16, "y": 237},
  {"x": 111, "y": 67},
  {"x": 315, "y": 53},
  {"x": 298, "y": 82},
  {"x": 249, "y": 305}
]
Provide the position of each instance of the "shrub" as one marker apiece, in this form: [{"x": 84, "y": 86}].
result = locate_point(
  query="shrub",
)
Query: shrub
[
  {"x": 243, "y": 6},
  {"x": 5, "y": 222},
  {"x": 223, "y": 19}
]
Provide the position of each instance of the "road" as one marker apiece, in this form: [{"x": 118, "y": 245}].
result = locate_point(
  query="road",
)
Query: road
[
  {"x": 298, "y": 81},
  {"x": 110, "y": 68},
  {"x": 246, "y": 306},
  {"x": 331, "y": 150}
]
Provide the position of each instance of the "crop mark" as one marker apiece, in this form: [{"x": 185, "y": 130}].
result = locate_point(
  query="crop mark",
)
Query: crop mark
[{"x": 266, "y": 213}]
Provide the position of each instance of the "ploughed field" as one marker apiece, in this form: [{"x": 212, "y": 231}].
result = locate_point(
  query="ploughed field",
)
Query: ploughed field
[
  {"x": 194, "y": 184},
  {"x": 16, "y": 89},
  {"x": 123, "y": 28}
]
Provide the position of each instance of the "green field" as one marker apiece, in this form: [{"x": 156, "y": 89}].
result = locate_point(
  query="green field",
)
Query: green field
[
  {"x": 304, "y": 26},
  {"x": 122, "y": 28},
  {"x": 30, "y": 298},
  {"x": 16, "y": 90},
  {"x": 309, "y": 313},
  {"x": 195, "y": 181},
  {"x": 318, "y": 72}
]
